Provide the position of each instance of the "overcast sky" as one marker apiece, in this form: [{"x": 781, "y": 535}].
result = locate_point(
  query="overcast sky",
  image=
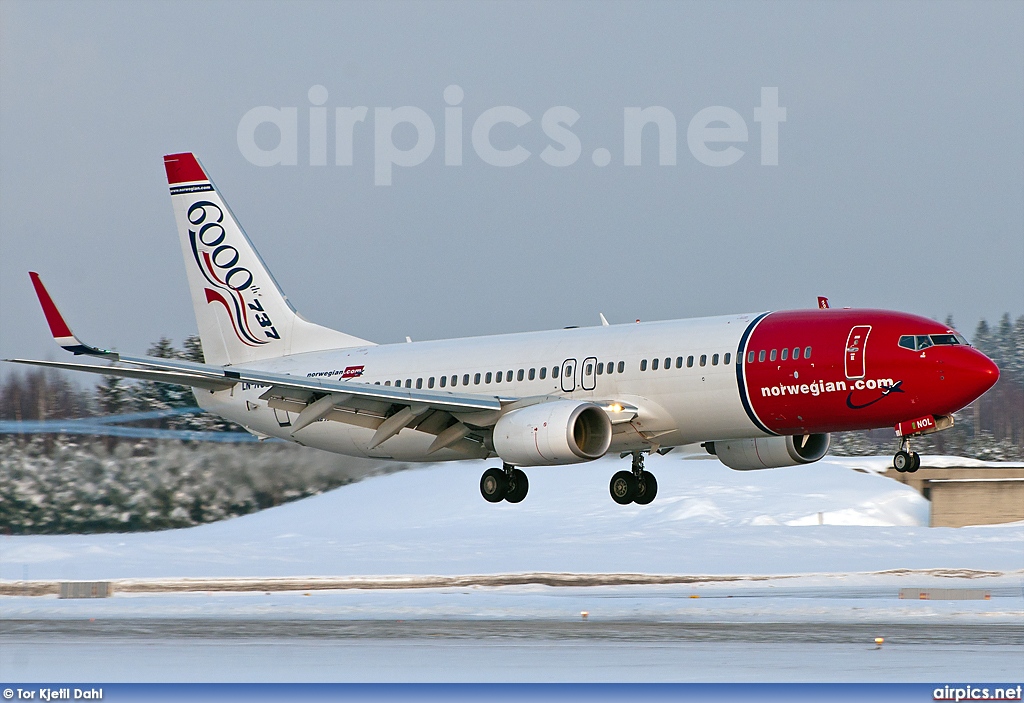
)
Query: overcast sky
[{"x": 899, "y": 184}]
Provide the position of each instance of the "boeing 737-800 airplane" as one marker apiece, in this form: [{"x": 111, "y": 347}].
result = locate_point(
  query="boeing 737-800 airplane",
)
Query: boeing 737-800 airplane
[{"x": 759, "y": 390}]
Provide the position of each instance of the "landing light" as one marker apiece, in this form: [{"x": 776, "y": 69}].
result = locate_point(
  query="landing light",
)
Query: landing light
[{"x": 615, "y": 408}]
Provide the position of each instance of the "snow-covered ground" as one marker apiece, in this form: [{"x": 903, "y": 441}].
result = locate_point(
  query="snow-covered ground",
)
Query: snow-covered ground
[
  {"x": 707, "y": 519},
  {"x": 806, "y": 562}
]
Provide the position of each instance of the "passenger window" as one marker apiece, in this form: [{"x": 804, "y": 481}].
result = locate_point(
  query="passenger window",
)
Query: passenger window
[
  {"x": 487, "y": 378},
  {"x": 554, "y": 372},
  {"x": 654, "y": 365},
  {"x": 907, "y": 341},
  {"x": 679, "y": 362},
  {"x": 465, "y": 379},
  {"x": 408, "y": 383},
  {"x": 622, "y": 366},
  {"x": 419, "y": 383},
  {"x": 444, "y": 381},
  {"x": 750, "y": 357},
  {"x": 543, "y": 372},
  {"x": 600, "y": 368},
  {"x": 668, "y": 363},
  {"x": 430, "y": 382},
  {"x": 519, "y": 376},
  {"x": 568, "y": 371},
  {"x": 689, "y": 362},
  {"x": 508, "y": 376},
  {"x": 796, "y": 353},
  {"x": 785, "y": 353},
  {"x": 476, "y": 379},
  {"x": 807, "y": 352},
  {"x": 533, "y": 374},
  {"x": 714, "y": 360},
  {"x": 703, "y": 359},
  {"x": 760, "y": 355},
  {"x": 643, "y": 365},
  {"x": 455, "y": 380},
  {"x": 387, "y": 383},
  {"x": 771, "y": 356},
  {"x": 728, "y": 356},
  {"x": 590, "y": 369},
  {"x": 376, "y": 383}
]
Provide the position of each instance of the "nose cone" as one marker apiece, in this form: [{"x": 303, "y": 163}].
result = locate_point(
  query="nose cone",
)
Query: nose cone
[{"x": 980, "y": 374}]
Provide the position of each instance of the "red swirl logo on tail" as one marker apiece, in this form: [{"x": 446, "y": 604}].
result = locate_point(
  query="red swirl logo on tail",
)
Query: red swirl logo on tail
[{"x": 218, "y": 263}]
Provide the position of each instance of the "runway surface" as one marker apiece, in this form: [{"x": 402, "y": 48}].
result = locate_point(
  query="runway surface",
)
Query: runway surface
[{"x": 506, "y": 650}]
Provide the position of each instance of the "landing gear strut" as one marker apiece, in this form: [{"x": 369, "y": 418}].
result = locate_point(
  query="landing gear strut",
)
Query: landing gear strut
[
  {"x": 905, "y": 460},
  {"x": 507, "y": 483},
  {"x": 635, "y": 486}
]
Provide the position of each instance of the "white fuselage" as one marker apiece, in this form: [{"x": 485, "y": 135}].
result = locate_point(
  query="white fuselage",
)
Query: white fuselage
[{"x": 674, "y": 406}]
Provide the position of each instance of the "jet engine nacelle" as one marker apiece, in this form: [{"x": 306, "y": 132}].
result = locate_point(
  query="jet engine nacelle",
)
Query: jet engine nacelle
[
  {"x": 558, "y": 432},
  {"x": 770, "y": 452}
]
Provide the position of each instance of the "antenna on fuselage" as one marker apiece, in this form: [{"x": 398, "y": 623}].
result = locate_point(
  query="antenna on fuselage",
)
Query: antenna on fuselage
[{"x": 604, "y": 320}]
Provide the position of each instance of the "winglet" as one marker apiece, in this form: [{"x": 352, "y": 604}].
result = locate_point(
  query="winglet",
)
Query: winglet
[{"x": 62, "y": 334}]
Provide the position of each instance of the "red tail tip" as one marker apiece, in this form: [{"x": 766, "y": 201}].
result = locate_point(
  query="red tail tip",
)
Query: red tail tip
[{"x": 183, "y": 168}]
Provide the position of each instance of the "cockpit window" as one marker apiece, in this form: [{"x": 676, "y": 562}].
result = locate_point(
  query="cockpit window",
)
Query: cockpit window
[{"x": 922, "y": 341}]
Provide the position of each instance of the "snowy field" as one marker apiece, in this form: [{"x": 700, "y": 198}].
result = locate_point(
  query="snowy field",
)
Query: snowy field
[{"x": 806, "y": 562}]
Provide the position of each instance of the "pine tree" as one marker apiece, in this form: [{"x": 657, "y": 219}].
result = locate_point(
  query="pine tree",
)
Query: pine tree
[
  {"x": 113, "y": 395},
  {"x": 983, "y": 338},
  {"x": 1003, "y": 343},
  {"x": 193, "y": 349},
  {"x": 150, "y": 395}
]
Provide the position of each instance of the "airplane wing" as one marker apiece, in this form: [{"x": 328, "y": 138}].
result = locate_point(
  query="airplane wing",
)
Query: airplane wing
[
  {"x": 386, "y": 409},
  {"x": 454, "y": 418}
]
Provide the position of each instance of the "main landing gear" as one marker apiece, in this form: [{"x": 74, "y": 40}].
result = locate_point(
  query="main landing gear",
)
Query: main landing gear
[
  {"x": 634, "y": 486},
  {"x": 905, "y": 460},
  {"x": 507, "y": 483}
]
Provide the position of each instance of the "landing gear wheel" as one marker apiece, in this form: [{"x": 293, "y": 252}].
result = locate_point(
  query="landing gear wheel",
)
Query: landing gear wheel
[
  {"x": 494, "y": 485},
  {"x": 915, "y": 462},
  {"x": 647, "y": 488},
  {"x": 902, "y": 461},
  {"x": 518, "y": 486},
  {"x": 623, "y": 487}
]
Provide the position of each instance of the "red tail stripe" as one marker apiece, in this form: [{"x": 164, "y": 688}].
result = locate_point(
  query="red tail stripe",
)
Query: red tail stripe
[
  {"x": 183, "y": 168},
  {"x": 58, "y": 327}
]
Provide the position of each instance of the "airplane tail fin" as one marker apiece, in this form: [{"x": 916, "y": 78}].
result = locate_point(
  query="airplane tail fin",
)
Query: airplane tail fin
[{"x": 241, "y": 312}]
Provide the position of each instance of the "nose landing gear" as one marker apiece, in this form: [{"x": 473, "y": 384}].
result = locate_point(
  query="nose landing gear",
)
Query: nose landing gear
[
  {"x": 905, "y": 460},
  {"x": 507, "y": 483},
  {"x": 635, "y": 486}
]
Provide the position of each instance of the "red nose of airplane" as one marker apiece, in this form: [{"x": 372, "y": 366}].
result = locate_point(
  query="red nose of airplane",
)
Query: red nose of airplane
[{"x": 980, "y": 374}]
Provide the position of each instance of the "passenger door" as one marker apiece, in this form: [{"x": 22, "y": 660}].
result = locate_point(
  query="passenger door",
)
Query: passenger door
[
  {"x": 855, "y": 345},
  {"x": 588, "y": 375},
  {"x": 569, "y": 375}
]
